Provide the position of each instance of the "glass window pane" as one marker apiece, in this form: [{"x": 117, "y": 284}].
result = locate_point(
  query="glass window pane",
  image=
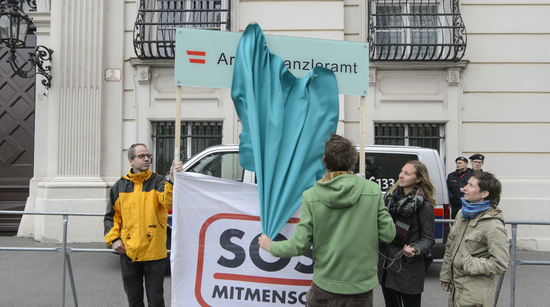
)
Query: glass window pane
[
  {"x": 389, "y": 31},
  {"x": 424, "y": 22},
  {"x": 389, "y": 134},
  {"x": 415, "y": 30},
  {"x": 156, "y": 21},
  {"x": 384, "y": 168},
  {"x": 221, "y": 165},
  {"x": 197, "y": 135},
  {"x": 427, "y": 135}
]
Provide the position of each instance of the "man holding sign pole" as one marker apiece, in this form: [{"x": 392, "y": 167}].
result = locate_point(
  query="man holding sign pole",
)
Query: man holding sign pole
[
  {"x": 344, "y": 216},
  {"x": 135, "y": 226}
]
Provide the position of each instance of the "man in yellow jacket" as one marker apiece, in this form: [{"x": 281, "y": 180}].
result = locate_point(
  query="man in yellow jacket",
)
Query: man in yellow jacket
[{"x": 135, "y": 226}]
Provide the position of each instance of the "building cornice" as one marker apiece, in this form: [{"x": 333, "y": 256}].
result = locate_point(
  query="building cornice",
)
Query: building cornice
[{"x": 153, "y": 63}]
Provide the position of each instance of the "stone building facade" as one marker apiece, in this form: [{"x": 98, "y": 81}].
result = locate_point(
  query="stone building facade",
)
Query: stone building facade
[{"x": 489, "y": 96}]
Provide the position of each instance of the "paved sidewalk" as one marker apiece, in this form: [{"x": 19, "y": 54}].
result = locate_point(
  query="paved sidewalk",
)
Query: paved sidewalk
[{"x": 30, "y": 278}]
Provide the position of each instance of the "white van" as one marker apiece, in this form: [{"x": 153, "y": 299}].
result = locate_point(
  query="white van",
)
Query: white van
[{"x": 382, "y": 165}]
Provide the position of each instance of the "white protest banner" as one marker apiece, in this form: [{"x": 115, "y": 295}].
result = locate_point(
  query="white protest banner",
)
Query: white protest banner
[{"x": 216, "y": 259}]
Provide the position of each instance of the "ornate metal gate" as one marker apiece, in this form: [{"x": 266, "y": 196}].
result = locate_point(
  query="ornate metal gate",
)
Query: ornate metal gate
[{"x": 17, "y": 100}]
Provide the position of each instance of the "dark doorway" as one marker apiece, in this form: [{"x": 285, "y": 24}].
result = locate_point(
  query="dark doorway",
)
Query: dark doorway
[{"x": 17, "y": 100}]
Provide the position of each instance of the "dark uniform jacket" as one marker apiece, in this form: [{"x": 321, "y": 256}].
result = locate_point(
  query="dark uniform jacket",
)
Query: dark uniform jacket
[{"x": 455, "y": 183}]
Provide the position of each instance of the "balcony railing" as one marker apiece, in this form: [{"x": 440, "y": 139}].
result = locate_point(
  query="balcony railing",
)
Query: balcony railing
[
  {"x": 416, "y": 30},
  {"x": 157, "y": 20},
  {"x": 26, "y": 5}
]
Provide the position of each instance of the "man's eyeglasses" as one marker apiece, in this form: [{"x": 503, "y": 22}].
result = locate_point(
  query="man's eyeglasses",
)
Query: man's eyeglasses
[{"x": 142, "y": 156}]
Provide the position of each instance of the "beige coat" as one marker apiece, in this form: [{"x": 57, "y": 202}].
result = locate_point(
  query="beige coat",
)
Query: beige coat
[{"x": 476, "y": 251}]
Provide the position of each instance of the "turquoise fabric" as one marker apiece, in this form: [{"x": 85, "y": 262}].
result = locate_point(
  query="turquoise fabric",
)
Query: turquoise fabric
[{"x": 285, "y": 121}]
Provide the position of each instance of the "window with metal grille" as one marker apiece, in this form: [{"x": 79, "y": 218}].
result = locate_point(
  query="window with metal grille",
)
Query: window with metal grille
[
  {"x": 429, "y": 135},
  {"x": 416, "y": 30},
  {"x": 195, "y": 137},
  {"x": 157, "y": 20}
]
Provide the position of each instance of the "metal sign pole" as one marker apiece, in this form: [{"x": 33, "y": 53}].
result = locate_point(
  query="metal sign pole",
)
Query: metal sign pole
[
  {"x": 363, "y": 134},
  {"x": 177, "y": 127}
]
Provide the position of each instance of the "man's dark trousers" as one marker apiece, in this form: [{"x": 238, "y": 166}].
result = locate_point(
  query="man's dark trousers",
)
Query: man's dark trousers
[{"x": 133, "y": 274}]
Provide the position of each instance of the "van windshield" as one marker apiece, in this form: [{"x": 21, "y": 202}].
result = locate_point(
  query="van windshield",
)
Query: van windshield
[
  {"x": 384, "y": 168},
  {"x": 222, "y": 165}
]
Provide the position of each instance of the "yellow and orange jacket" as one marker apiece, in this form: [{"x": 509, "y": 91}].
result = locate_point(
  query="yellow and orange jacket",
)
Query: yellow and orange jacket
[{"x": 137, "y": 214}]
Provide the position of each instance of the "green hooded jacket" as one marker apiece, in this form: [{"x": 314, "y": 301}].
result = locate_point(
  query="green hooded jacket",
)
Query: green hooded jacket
[{"x": 343, "y": 219}]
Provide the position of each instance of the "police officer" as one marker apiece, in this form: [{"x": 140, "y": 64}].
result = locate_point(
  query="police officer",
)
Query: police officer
[
  {"x": 477, "y": 162},
  {"x": 456, "y": 182}
]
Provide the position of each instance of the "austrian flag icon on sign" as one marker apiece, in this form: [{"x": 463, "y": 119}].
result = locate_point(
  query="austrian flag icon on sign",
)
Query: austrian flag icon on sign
[{"x": 195, "y": 57}]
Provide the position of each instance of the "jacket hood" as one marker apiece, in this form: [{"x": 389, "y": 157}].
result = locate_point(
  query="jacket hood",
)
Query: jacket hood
[
  {"x": 341, "y": 192},
  {"x": 493, "y": 213}
]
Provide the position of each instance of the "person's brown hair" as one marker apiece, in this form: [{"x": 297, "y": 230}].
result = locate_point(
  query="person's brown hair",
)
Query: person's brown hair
[
  {"x": 340, "y": 155},
  {"x": 425, "y": 184},
  {"x": 488, "y": 182}
]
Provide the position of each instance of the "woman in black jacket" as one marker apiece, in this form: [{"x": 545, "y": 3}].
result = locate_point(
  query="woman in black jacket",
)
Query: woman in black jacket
[{"x": 401, "y": 264}]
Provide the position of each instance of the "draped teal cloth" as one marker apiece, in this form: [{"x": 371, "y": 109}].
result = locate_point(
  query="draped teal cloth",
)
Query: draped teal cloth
[{"x": 285, "y": 121}]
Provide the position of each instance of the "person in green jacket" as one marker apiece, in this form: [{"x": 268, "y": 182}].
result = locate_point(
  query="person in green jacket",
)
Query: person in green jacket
[{"x": 343, "y": 217}]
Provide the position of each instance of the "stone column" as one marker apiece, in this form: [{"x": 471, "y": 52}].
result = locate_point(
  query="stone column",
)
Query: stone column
[{"x": 68, "y": 140}]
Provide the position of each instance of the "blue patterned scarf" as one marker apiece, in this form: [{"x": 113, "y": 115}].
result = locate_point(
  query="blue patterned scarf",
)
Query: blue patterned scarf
[{"x": 469, "y": 210}]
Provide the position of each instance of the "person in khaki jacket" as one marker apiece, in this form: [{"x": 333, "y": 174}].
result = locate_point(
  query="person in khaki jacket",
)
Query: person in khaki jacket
[{"x": 477, "y": 248}]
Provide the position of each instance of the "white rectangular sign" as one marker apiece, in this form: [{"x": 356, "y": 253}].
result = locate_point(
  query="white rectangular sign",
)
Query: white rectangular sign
[{"x": 216, "y": 259}]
